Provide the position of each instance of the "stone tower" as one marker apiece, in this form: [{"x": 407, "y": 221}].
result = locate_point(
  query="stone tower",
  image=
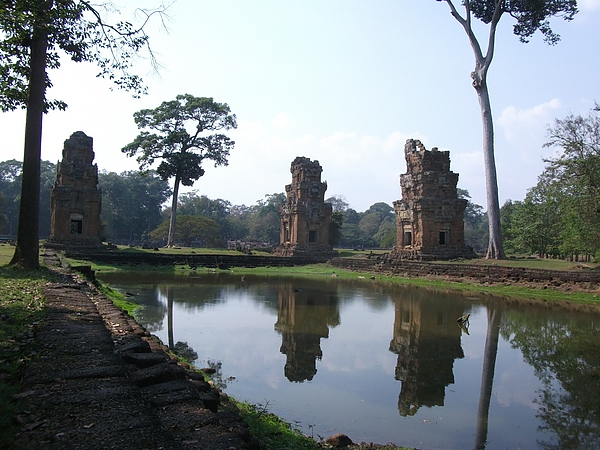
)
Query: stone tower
[
  {"x": 430, "y": 216},
  {"x": 75, "y": 198},
  {"x": 305, "y": 217}
]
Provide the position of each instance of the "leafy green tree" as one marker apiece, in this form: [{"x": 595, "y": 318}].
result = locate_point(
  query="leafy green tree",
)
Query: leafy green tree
[
  {"x": 476, "y": 224},
  {"x": 131, "y": 204},
  {"x": 238, "y": 221},
  {"x": 575, "y": 175},
  {"x": 507, "y": 215},
  {"x": 10, "y": 186},
  {"x": 217, "y": 210},
  {"x": 34, "y": 35},
  {"x": 180, "y": 137},
  {"x": 537, "y": 222},
  {"x": 335, "y": 227},
  {"x": 386, "y": 233},
  {"x": 530, "y": 16},
  {"x": 3, "y": 216},
  {"x": 338, "y": 203},
  {"x": 265, "y": 219},
  {"x": 351, "y": 216},
  {"x": 191, "y": 230}
]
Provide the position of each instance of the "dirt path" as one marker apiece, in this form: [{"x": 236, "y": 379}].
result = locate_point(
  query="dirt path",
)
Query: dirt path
[{"x": 100, "y": 381}]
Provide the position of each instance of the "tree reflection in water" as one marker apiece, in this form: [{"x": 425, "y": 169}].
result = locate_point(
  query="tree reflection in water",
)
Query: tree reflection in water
[{"x": 566, "y": 358}]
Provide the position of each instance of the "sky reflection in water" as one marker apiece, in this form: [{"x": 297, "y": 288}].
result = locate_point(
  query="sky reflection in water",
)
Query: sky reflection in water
[{"x": 388, "y": 364}]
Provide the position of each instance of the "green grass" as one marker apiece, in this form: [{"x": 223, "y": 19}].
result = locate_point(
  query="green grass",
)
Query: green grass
[
  {"x": 327, "y": 270},
  {"x": 6, "y": 253},
  {"x": 21, "y": 310},
  {"x": 271, "y": 431}
]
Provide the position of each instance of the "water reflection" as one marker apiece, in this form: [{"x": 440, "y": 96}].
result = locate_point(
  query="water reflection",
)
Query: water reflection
[
  {"x": 427, "y": 341},
  {"x": 303, "y": 318},
  {"x": 389, "y": 364}
]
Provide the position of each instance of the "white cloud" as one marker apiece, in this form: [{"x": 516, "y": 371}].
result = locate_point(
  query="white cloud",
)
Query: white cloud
[{"x": 524, "y": 126}]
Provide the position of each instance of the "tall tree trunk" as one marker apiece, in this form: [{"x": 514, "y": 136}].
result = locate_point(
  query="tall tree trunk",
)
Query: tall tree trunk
[
  {"x": 27, "y": 249},
  {"x": 170, "y": 318},
  {"x": 495, "y": 249},
  {"x": 479, "y": 76},
  {"x": 487, "y": 376},
  {"x": 171, "y": 237}
]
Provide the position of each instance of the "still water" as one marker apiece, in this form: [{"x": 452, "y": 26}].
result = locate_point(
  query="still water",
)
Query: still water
[{"x": 386, "y": 363}]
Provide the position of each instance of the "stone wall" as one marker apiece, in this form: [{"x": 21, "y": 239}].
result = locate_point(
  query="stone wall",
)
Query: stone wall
[{"x": 492, "y": 273}]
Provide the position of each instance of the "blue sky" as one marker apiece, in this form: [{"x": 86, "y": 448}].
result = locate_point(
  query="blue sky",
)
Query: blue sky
[{"x": 345, "y": 82}]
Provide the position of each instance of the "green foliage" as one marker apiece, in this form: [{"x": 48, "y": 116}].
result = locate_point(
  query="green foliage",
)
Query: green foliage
[
  {"x": 179, "y": 134},
  {"x": 335, "y": 227},
  {"x": 264, "y": 219},
  {"x": 131, "y": 204},
  {"x": 530, "y": 15},
  {"x": 10, "y": 190},
  {"x": 560, "y": 216},
  {"x": 165, "y": 137},
  {"x": 217, "y": 210},
  {"x": 191, "y": 229},
  {"x": 76, "y": 29},
  {"x": 565, "y": 355},
  {"x": 271, "y": 431}
]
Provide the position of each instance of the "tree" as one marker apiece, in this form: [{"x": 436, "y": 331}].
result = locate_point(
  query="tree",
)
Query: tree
[
  {"x": 179, "y": 139},
  {"x": 338, "y": 203},
  {"x": 335, "y": 227},
  {"x": 35, "y": 33},
  {"x": 191, "y": 229},
  {"x": 131, "y": 204},
  {"x": 476, "y": 224},
  {"x": 217, "y": 210},
  {"x": 10, "y": 186},
  {"x": 575, "y": 174},
  {"x": 530, "y": 16},
  {"x": 265, "y": 219}
]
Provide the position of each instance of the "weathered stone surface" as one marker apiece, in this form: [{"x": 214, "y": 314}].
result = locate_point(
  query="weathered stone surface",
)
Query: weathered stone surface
[
  {"x": 430, "y": 216},
  {"x": 75, "y": 198},
  {"x": 143, "y": 360},
  {"x": 305, "y": 217},
  {"x": 160, "y": 373},
  {"x": 339, "y": 440},
  {"x": 171, "y": 392}
]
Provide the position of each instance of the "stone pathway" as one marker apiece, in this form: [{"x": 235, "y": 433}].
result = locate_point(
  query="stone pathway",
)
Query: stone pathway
[{"x": 100, "y": 381}]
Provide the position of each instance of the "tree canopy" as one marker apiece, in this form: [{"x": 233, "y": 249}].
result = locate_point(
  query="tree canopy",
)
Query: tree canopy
[
  {"x": 34, "y": 35},
  {"x": 181, "y": 134}
]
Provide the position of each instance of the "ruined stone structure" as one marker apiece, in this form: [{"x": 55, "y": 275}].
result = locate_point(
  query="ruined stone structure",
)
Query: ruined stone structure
[
  {"x": 430, "y": 216},
  {"x": 305, "y": 217},
  {"x": 75, "y": 198}
]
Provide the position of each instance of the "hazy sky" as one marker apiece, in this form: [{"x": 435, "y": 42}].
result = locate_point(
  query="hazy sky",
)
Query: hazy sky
[{"x": 344, "y": 82}]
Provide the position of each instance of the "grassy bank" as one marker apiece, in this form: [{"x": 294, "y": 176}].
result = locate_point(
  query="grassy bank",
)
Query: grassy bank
[
  {"x": 508, "y": 290},
  {"x": 21, "y": 310}
]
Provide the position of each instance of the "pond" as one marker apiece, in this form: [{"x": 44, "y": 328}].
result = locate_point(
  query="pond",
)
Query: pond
[{"x": 385, "y": 363}]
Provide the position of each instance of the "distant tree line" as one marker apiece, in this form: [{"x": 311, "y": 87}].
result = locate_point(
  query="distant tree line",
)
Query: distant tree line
[
  {"x": 134, "y": 212},
  {"x": 559, "y": 217}
]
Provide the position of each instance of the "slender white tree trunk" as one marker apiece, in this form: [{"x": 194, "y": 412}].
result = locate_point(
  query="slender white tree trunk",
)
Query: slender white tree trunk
[
  {"x": 171, "y": 237},
  {"x": 495, "y": 250}
]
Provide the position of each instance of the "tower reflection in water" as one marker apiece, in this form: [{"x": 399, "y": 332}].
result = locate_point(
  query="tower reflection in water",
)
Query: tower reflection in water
[
  {"x": 303, "y": 318},
  {"x": 427, "y": 341}
]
